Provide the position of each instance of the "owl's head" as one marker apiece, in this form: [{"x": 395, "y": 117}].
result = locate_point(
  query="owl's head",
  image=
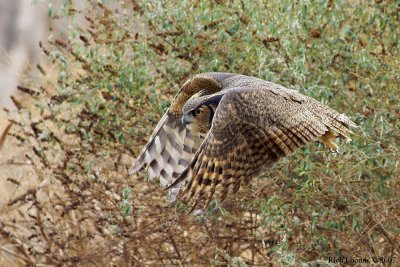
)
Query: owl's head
[{"x": 199, "y": 111}]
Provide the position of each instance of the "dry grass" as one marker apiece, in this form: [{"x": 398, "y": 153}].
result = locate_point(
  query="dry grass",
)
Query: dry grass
[{"x": 72, "y": 202}]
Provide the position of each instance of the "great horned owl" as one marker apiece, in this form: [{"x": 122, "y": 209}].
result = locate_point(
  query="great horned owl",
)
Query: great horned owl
[{"x": 222, "y": 129}]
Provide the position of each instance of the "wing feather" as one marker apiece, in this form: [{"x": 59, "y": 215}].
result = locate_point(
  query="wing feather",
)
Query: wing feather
[
  {"x": 172, "y": 145},
  {"x": 253, "y": 128}
]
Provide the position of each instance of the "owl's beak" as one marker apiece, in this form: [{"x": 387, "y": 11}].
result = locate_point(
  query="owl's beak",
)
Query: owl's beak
[
  {"x": 186, "y": 119},
  {"x": 183, "y": 120}
]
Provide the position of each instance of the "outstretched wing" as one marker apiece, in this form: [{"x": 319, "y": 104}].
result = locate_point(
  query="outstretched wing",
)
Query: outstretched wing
[
  {"x": 172, "y": 144},
  {"x": 254, "y": 127}
]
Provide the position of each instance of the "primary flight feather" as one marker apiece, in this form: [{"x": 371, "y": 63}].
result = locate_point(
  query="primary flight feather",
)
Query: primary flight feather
[{"x": 222, "y": 129}]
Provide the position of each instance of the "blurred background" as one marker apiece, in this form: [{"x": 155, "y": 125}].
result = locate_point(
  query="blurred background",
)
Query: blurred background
[{"x": 23, "y": 24}]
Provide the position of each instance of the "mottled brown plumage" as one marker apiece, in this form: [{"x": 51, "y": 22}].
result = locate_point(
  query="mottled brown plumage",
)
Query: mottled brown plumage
[{"x": 222, "y": 129}]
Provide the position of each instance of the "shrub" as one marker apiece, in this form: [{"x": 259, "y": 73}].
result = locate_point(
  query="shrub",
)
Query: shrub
[{"x": 117, "y": 72}]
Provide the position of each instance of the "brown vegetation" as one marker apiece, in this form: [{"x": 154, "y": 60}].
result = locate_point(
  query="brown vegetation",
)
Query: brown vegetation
[{"x": 66, "y": 156}]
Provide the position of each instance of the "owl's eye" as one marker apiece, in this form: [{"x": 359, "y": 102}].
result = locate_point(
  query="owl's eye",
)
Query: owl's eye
[{"x": 197, "y": 111}]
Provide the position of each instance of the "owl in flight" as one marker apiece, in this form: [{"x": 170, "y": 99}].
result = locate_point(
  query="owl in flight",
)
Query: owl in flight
[{"x": 222, "y": 129}]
